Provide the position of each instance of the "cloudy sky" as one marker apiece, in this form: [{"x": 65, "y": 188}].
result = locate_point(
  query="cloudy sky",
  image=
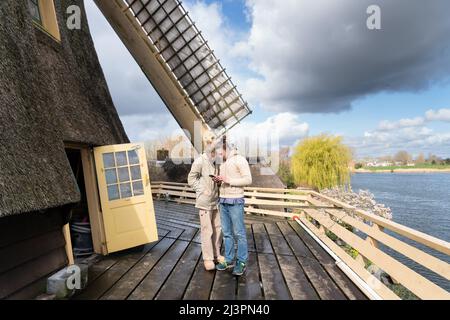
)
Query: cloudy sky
[{"x": 311, "y": 66}]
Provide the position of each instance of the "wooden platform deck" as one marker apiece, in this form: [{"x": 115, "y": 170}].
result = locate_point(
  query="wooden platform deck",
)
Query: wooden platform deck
[{"x": 284, "y": 263}]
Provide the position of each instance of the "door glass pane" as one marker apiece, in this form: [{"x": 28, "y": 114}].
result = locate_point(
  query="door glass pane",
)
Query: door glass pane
[
  {"x": 113, "y": 192},
  {"x": 133, "y": 157},
  {"x": 111, "y": 176},
  {"x": 121, "y": 159},
  {"x": 108, "y": 160},
  {"x": 125, "y": 190},
  {"x": 138, "y": 188},
  {"x": 136, "y": 173},
  {"x": 124, "y": 175}
]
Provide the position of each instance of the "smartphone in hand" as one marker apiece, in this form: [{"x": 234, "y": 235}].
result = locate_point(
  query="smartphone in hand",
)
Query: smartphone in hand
[{"x": 215, "y": 179}]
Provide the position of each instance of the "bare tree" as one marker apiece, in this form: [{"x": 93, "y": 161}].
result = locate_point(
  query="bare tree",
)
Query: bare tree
[
  {"x": 403, "y": 157},
  {"x": 420, "y": 158}
]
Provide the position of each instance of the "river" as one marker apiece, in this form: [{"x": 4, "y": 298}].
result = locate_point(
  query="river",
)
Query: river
[{"x": 417, "y": 200}]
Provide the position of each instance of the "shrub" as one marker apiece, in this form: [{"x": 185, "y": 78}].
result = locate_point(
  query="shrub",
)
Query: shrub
[
  {"x": 358, "y": 165},
  {"x": 321, "y": 162},
  {"x": 284, "y": 172}
]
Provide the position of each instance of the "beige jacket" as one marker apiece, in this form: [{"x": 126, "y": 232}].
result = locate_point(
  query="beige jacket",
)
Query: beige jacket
[
  {"x": 237, "y": 173},
  {"x": 205, "y": 188}
]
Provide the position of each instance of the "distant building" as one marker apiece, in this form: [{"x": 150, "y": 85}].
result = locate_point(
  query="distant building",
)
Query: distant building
[{"x": 376, "y": 164}]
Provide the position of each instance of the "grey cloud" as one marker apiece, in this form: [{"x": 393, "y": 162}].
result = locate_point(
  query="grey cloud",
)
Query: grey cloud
[{"x": 318, "y": 56}]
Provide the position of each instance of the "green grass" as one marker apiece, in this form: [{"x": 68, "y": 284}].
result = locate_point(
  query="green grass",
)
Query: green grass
[{"x": 417, "y": 166}]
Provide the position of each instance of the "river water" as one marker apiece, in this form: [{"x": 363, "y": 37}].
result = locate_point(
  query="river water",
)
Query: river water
[{"x": 417, "y": 200}]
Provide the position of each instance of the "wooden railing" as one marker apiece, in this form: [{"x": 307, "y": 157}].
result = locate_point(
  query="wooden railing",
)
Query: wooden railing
[{"x": 327, "y": 218}]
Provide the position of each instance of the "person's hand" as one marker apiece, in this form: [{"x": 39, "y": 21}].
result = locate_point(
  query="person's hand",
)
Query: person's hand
[{"x": 220, "y": 179}]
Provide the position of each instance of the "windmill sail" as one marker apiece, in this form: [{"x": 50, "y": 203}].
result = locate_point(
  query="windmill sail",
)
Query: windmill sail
[{"x": 178, "y": 61}]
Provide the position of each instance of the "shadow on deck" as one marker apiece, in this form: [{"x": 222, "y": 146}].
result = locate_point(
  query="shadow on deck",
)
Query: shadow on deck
[{"x": 284, "y": 263}]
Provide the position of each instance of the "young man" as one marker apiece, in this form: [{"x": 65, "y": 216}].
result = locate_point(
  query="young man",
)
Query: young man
[
  {"x": 234, "y": 176},
  {"x": 206, "y": 189}
]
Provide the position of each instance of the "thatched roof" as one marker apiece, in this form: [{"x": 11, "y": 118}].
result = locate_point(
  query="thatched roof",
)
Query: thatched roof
[{"x": 50, "y": 93}]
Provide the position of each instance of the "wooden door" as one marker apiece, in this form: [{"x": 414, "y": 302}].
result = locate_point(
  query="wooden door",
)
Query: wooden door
[{"x": 125, "y": 196}]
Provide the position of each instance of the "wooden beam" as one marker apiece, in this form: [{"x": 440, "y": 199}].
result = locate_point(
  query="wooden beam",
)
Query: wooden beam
[{"x": 68, "y": 246}]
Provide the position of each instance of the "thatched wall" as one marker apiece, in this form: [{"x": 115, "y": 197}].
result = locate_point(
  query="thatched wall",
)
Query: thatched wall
[{"x": 50, "y": 93}]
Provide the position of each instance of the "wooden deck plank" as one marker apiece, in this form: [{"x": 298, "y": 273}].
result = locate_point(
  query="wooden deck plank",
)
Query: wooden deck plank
[
  {"x": 250, "y": 239},
  {"x": 162, "y": 233},
  {"x": 180, "y": 222},
  {"x": 296, "y": 280},
  {"x": 322, "y": 282},
  {"x": 262, "y": 241},
  {"x": 278, "y": 240},
  {"x": 153, "y": 281},
  {"x": 97, "y": 269},
  {"x": 113, "y": 274},
  {"x": 224, "y": 286},
  {"x": 178, "y": 216},
  {"x": 123, "y": 288},
  {"x": 178, "y": 281},
  {"x": 284, "y": 263},
  {"x": 187, "y": 232},
  {"x": 313, "y": 246},
  {"x": 174, "y": 233},
  {"x": 199, "y": 287},
  {"x": 174, "y": 208},
  {"x": 272, "y": 279},
  {"x": 294, "y": 275},
  {"x": 344, "y": 283},
  {"x": 198, "y": 237},
  {"x": 249, "y": 285},
  {"x": 292, "y": 238},
  {"x": 319, "y": 278}
]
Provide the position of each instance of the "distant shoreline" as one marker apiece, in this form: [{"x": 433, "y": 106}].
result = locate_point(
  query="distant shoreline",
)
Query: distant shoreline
[{"x": 411, "y": 170}]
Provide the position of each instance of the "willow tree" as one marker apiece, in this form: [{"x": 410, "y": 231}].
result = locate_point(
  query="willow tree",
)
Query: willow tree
[{"x": 321, "y": 162}]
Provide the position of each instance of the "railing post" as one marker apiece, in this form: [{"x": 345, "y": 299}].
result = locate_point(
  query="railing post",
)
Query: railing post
[
  {"x": 253, "y": 197},
  {"x": 375, "y": 243}
]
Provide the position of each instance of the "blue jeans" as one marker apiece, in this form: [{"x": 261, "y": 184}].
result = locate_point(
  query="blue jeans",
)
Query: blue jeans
[{"x": 233, "y": 229}]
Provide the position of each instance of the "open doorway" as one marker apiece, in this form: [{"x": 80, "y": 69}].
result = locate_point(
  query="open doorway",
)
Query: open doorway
[{"x": 80, "y": 225}]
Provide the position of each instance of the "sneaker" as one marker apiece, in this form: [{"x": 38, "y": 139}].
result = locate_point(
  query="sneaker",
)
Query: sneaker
[
  {"x": 224, "y": 266},
  {"x": 239, "y": 269}
]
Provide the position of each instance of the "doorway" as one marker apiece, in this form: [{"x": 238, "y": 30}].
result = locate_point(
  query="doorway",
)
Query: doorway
[
  {"x": 116, "y": 210},
  {"x": 80, "y": 224}
]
